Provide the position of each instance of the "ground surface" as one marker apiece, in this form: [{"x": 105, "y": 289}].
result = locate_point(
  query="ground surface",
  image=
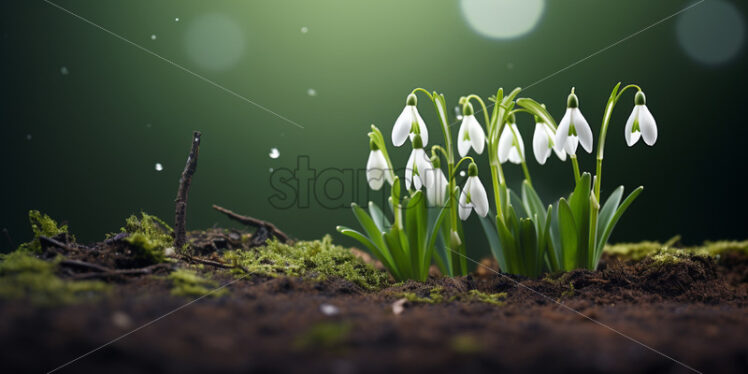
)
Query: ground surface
[{"x": 694, "y": 310}]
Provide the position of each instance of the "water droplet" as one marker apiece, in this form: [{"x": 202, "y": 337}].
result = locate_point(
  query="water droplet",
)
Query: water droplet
[
  {"x": 159, "y": 167},
  {"x": 274, "y": 153},
  {"x": 462, "y": 173},
  {"x": 311, "y": 92},
  {"x": 176, "y": 19},
  {"x": 64, "y": 70},
  {"x": 28, "y": 136},
  {"x": 329, "y": 309},
  {"x": 153, "y": 36},
  {"x": 458, "y": 112},
  {"x": 271, "y": 170},
  {"x": 304, "y": 29}
]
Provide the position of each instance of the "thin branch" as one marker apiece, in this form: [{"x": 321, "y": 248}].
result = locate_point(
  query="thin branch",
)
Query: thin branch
[
  {"x": 180, "y": 231},
  {"x": 254, "y": 222},
  {"x": 83, "y": 264},
  {"x": 120, "y": 272}
]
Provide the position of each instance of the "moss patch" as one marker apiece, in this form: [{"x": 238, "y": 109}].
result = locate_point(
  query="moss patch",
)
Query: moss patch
[
  {"x": 150, "y": 236},
  {"x": 436, "y": 296},
  {"x": 42, "y": 225},
  {"x": 325, "y": 336},
  {"x": 23, "y": 276},
  {"x": 318, "y": 259},
  {"x": 488, "y": 298},
  {"x": 188, "y": 283},
  {"x": 665, "y": 252}
]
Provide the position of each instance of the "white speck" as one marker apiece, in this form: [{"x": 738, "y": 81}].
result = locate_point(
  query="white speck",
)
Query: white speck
[
  {"x": 462, "y": 173},
  {"x": 176, "y": 19},
  {"x": 274, "y": 153},
  {"x": 159, "y": 167},
  {"x": 329, "y": 310},
  {"x": 304, "y": 29},
  {"x": 399, "y": 306},
  {"x": 170, "y": 252},
  {"x": 458, "y": 113},
  {"x": 311, "y": 92},
  {"x": 64, "y": 70},
  {"x": 270, "y": 170},
  {"x": 121, "y": 320},
  {"x": 510, "y": 65},
  {"x": 153, "y": 36},
  {"x": 28, "y": 136}
]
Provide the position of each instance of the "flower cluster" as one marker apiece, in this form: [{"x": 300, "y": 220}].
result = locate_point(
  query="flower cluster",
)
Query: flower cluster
[{"x": 528, "y": 239}]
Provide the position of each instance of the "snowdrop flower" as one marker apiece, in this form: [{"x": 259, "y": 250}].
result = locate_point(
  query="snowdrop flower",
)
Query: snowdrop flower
[
  {"x": 508, "y": 148},
  {"x": 377, "y": 169},
  {"x": 404, "y": 123},
  {"x": 419, "y": 171},
  {"x": 437, "y": 193},
  {"x": 573, "y": 129},
  {"x": 473, "y": 195},
  {"x": 641, "y": 123},
  {"x": 471, "y": 133},
  {"x": 542, "y": 142}
]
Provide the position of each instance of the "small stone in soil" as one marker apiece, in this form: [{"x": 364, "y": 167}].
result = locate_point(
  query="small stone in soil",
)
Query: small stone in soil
[{"x": 329, "y": 309}]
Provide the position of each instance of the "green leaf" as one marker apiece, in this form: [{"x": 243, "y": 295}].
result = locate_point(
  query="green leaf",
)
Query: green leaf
[
  {"x": 416, "y": 227},
  {"x": 506, "y": 238},
  {"x": 489, "y": 228},
  {"x": 378, "y": 217},
  {"x": 548, "y": 243},
  {"x": 529, "y": 246},
  {"x": 612, "y": 224},
  {"x": 433, "y": 234},
  {"x": 533, "y": 205},
  {"x": 579, "y": 202},
  {"x": 537, "y": 109},
  {"x": 377, "y": 252},
  {"x": 606, "y": 213},
  {"x": 398, "y": 253},
  {"x": 568, "y": 231},
  {"x": 371, "y": 229}
]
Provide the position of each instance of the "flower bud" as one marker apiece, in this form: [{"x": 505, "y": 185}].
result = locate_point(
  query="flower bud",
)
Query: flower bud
[
  {"x": 436, "y": 162},
  {"x": 473, "y": 170},
  {"x": 467, "y": 109},
  {"x": 572, "y": 101},
  {"x": 640, "y": 99},
  {"x": 411, "y": 100}
]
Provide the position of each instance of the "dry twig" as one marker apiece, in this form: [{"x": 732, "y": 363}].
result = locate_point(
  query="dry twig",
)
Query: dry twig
[
  {"x": 180, "y": 231},
  {"x": 264, "y": 229}
]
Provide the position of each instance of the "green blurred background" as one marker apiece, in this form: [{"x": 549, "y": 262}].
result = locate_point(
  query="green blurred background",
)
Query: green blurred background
[{"x": 87, "y": 116}]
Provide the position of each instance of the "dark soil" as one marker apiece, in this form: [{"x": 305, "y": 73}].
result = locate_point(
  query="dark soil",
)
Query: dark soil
[{"x": 643, "y": 316}]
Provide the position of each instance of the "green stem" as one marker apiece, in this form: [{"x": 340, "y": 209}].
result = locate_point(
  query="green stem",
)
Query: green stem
[
  {"x": 575, "y": 164},
  {"x": 424, "y": 91},
  {"x": 482, "y": 104},
  {"x": 612, "y": 101},
  {"x": 521, "y": 156}
]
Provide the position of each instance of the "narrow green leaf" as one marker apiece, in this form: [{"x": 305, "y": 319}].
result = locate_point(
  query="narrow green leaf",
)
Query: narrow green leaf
[
  {"x": 377, "y": 252},
  {"x": 614, "y": 220},
  {"x": 579, "y": 202},
  {"x": 529, "y": 246},
  {"x": 568, "y": 230},
  {"x": 370, "y": 228},
  {"x": 537, "y": 109},
  {"x": 378, "y": 217},
  {"x": 433, "y": 234},
  {"x": 489, "y": 228},
  {"x": 606, "y": 213}
]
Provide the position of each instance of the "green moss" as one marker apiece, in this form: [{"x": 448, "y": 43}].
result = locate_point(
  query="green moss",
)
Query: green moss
[
  {"x": 664, "y": 252},
  {"x": 150, "y": 236},
  {"x": 465, "y": 344},
  {"x": 188, "y": 283},
  {"x": 436, "y": 296},
  {"x": 325, "y": 336},
  {"x": 318, "y": 259},
  {"x": 488, "y": 298},
  {"x": 570, "y": 291},
  {"x": 42, "y": 225},
  {"x": 23, "y": 276}
]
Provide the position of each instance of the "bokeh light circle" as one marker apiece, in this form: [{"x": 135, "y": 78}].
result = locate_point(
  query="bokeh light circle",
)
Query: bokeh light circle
[
  {"x": 712, "y": 32},
  {"x": 214, "y": 41},
  {"x": 502, "y": 19}
]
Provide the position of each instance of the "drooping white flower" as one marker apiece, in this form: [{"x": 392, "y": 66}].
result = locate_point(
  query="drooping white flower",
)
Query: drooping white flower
[
  {"x": 509, "y": 149},
  {"x": 542, "y": 142},
  {"x": 404, "y": 123},
  {"x": 471, "y": 133},
  {"x": 437, "y": 193},
  {"x": 641, "y": 123},
  {"x": 473, "y": 196},
  {"x": 418, "y": 171},
  {"x": 377, "y": 170},
  {"x": 573, "y": 129}
]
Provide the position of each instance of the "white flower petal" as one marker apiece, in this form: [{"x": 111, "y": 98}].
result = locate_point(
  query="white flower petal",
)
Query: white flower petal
[
  {"x": 540, "y": 143},
  {"x": 402, "y": 126},
  {"x": 478, "y": 197},
  {"x": 571, "y": 145},
  {"x": 583, "y": 129},
  {"x": 630, "y": 137},
  {"x": 376, "y": 170},
  {"x": 477, "y": 136},
  {"x": 409, "y": 171},
  {"x": 505, "y": 144},
  {"x": 424, "y": 167},
  {"x": 464, "y": 207},
  {"x": 422, "y": 127},
  {"x": 463, "y": 135},
  {"x": 562, "y": 133},
  {"x": 437, "y": 193},
  {"x": 647, "y": 125}
]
